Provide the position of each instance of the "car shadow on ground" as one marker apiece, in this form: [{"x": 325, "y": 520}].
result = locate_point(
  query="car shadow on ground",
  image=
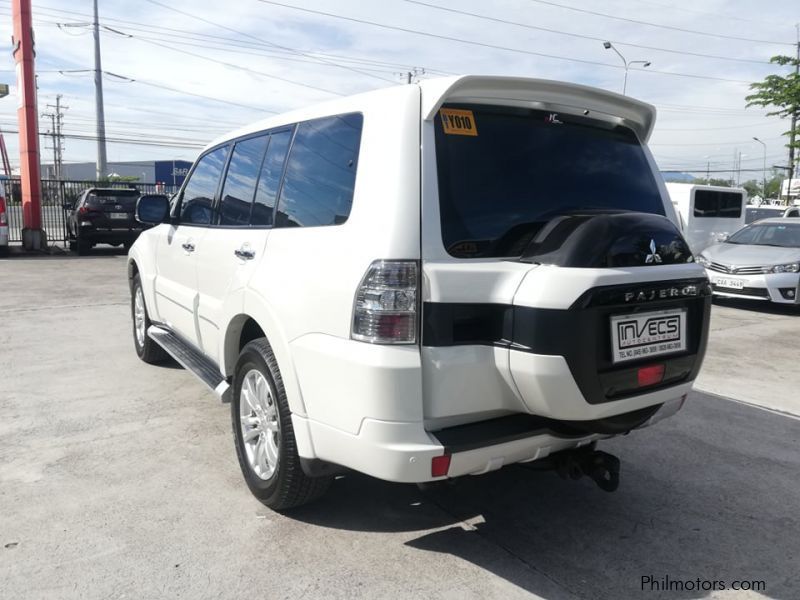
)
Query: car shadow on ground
[
  {"x": 759, "y": 306},
  {"x": 710, "y": 495}
]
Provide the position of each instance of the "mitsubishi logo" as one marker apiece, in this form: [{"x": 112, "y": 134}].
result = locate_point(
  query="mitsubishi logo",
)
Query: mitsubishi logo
[{"x": 653, "y": 257}]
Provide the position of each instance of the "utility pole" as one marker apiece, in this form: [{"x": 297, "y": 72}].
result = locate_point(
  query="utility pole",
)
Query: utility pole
[
  {"x": 33, "y": 236},
  {"x": 102, "y": 168},
  {"x": 57, "y": 119},
  {"x": 412, "y": 75},
  {"x": 793, "y": 132},
  {"x": 54, "y": 137}
]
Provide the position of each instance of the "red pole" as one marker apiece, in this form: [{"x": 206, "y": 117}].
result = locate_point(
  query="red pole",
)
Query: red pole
[{"x": 30, "y": 177}]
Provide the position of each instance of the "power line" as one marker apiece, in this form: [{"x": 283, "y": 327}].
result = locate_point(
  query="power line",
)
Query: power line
[
  {"x": 658, "y": 25},
  {"x": 314, "y": 57},
  {"x": 585, "y": 37},
  {"x": 234, "y": 66},
  {"x": 238, "y": 32},
  {"x": 492, "y": 46},
  {"x": 712, "y": 14}
]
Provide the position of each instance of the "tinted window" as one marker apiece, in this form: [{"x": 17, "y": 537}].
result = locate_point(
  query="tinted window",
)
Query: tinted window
[
  {"x": 240, "y": 181},
  {"x": 512, "y": 170},
  {"x": 768, "y": 234},
  {"x": 270, "y": 178},
  {"x": 321, "y": 172},
  {"x": 110, "y": 199},
  {"x": 198, "y": 194},
  {"x": 713, "y": 203},
  {"x": 756, "y": 214}
]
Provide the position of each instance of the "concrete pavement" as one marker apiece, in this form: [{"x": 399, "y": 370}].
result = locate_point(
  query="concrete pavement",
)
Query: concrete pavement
[{"x": 119, "y": 480}]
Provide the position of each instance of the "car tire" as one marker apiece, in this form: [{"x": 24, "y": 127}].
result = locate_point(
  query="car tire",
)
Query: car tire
[
  {"x": 259, "y": 409},
  {"x": 146, "y": 348},
  {"x": 83, "y": 247}
]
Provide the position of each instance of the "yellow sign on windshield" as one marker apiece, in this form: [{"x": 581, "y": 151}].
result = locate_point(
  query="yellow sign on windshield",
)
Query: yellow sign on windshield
[{"x": 458, "y": 122}]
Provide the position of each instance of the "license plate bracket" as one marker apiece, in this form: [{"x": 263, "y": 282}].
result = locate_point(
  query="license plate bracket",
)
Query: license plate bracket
[
  {"x": 729, "y": 282},
  {"x": 640, "y": 336},
  {"x": 118, "y": 215}
]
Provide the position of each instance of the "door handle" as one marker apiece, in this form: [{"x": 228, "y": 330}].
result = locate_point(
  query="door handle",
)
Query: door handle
[
  {"x": 188, "y": 246},
  {"x": 245, "y": 254}
]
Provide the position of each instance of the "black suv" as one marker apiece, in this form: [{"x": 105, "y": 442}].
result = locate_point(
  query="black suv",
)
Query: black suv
[{"x": 104, "y": 216}]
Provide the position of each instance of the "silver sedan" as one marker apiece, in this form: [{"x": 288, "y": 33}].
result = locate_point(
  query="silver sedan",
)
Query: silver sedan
[{"x": 760, "y": 261}]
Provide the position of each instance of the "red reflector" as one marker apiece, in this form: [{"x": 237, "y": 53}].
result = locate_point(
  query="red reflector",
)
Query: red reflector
[
  {"x": 440, "y": 465},
  {"x": 650, "y": 375}
]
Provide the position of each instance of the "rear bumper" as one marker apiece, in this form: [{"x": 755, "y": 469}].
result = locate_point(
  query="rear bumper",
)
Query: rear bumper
[
  {"x": 403, "y": 452},
  {"x": 365, "y": 412},
  {"x": 109, "y": 235}
]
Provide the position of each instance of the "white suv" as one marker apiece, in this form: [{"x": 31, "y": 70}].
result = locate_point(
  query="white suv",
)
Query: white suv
[{"x": 426, "y": 282}]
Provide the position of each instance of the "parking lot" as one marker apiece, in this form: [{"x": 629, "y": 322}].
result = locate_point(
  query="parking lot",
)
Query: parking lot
[{"x": 120, "y": 480}]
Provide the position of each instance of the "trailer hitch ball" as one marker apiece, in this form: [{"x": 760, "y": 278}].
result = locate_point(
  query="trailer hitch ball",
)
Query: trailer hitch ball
[
  {"x": 600, "y": 467},
  {"x": 603, "y": 469}
]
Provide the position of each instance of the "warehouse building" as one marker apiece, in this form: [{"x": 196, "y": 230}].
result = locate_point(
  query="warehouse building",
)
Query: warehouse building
[{"x": 168, "y": 172}]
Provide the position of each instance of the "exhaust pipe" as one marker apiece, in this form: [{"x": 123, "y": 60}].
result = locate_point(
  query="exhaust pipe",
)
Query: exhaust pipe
[{"x": 600, "y": 467}]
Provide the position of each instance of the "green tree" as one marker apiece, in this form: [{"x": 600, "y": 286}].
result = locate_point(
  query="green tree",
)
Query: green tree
[
  {"x": 712, "y": 181},
  {"x": 782, "y": 94},
  {"x": 753, "y": 188}
]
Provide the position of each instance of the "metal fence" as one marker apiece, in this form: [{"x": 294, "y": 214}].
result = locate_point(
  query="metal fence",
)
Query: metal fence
[{"x": 57, "y": 193}]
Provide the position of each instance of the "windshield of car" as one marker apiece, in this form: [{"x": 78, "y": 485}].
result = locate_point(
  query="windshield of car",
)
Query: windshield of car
[
  {"x": 768, "y": 234},
  {"x": 756, "y": 214},
  {"x": 504, "y": 172},
  {"x": 112, "y": 199}
]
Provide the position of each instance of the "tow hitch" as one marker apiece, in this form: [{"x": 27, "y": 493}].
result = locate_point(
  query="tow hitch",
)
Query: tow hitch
[{"x": 600, "y": 467}]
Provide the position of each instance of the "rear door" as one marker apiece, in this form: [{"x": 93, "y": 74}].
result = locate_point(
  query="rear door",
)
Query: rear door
[
  {"x": 235, "y": 244},
  {"x": 176, "y": 280},
  {"x": 503, "y": 179}
]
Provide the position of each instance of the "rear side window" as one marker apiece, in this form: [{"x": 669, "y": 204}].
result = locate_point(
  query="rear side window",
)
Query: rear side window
[
  {"x": 718, "y": 204},
  {"x": 240, "y": 181},
  {"x": 321, "y": 172},
  {"x": 506, "y": 172},
  {"x": 270, "y": 179},
  {"x": 198, "y": 193}
]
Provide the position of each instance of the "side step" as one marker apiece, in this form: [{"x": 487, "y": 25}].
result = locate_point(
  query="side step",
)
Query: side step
[{"x": 192, "y": 360}]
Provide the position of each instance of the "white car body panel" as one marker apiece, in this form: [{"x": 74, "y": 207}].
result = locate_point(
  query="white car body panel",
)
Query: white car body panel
[{"x": 370, "y": 407}]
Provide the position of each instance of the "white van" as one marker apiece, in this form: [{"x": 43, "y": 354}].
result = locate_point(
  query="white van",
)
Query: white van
[
  {"x": 413, "y": 283},
  {"x": 708, "y": 213}
]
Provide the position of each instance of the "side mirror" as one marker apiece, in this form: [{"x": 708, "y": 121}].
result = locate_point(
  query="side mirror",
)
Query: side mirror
[
  {"x": 152, "y": 210},
  {"x": 67, "y": 206}
]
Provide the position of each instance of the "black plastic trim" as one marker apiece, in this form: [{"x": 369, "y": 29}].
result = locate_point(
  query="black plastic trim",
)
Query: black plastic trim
[
  {"x": 581, "y": 333},
  {"x": 472, "y": 436}
]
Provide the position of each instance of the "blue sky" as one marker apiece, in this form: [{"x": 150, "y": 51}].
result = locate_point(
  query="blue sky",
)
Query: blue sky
[{"x": 277, "y": 57}]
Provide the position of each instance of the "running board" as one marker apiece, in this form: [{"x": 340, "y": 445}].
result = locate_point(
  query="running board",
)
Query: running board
[{"x": 192, "y": 360}]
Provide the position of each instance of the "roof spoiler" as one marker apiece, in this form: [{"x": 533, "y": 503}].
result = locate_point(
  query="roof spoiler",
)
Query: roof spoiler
[{"x": 543, "y": 94}]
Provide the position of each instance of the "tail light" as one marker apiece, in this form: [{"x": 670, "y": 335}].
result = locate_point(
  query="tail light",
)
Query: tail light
[
  {"x": 3, "y": 217},
  {"x": 385, "y": 310}
]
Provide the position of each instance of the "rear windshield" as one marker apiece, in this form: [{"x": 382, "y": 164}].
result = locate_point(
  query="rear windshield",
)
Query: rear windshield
[
  {"x": 717, "y": 204},
  {"x": 125, "y": 199},
  {"x": 756, "y": 214},
  {"x": 505, "y": 172}
]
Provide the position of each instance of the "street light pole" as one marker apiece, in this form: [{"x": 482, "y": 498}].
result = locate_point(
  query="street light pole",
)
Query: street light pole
[
  {"x": 626, "y": 63},
  {"x": 764, "y": 171}
]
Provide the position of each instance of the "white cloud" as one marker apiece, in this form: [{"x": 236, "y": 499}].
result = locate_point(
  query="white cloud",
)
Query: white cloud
[{"x": 684, "y": 135}]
